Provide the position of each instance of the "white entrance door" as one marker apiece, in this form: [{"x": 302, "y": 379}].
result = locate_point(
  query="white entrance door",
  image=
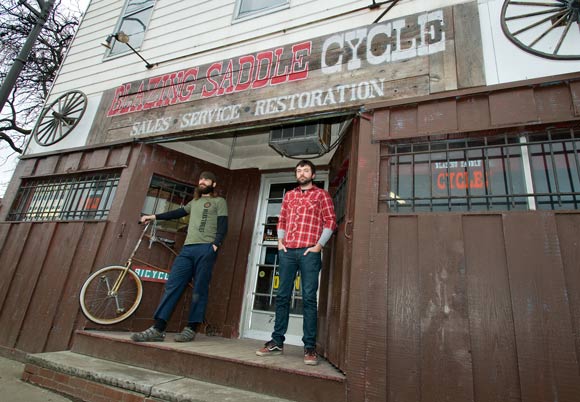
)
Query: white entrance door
[{"x": 263, "y": 279}]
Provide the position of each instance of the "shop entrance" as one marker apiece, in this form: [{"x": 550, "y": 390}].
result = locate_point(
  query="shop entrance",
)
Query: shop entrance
[{"x": 263, "y": 279}]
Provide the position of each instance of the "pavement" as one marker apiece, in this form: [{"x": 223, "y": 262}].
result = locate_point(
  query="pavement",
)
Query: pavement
[{"x": 13, "y": 389}]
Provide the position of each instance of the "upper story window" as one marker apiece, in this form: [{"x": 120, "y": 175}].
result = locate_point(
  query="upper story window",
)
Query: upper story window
[
  {"x": 133, "y": 22},
  {"x": 254, "y": 8},
  {"x": 537, "y": 171}
]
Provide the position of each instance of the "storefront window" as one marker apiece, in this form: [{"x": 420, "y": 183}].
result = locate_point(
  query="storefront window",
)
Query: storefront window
[
  {"x": 535, "y": 171},
  {"x": 84, "y": 197},
  {"x": 246, "y": 8},
  {"x": 134, "y": 22},
  {"x": 166, "y": 195}
]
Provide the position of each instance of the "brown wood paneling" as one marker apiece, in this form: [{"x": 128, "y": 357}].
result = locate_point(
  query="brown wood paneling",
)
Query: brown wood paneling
[
  {"x": 377, "y": 311},
  {"x": 70, "y": 162},
  {"x": 513, "y": 107},
  {"x": 47, "y": 165},
  {"x": 67, "y": 314},
  {"x": 473, "y": 113},
  {"x": 568, "y": 235},
  {"x": 4, "y": 231},
  {"x": 24, "y": 282},
  {"x": 223, "y": 272},
  {"x": 404, "y": 315},
  {"x": 119, "y": 156},
  {"x": 493, "y": 345},
  {"x": 446, "y": 367},
  {"x": 437, "y": 117},
  {"x": 553, "y": 103},
  {"x": 381, "y": 124},
  {"x": 367, "y": 193},
  {"x": 45, "y": 300},
  {"x": 10, "y": 256},
  {"x": 470, "y": 63},
  {"x": 403, "y": 123},
  {"x": 95, "y": 158},
  {"x": 575, "y": 91},
  {"x": 242, "y": 245},
  {"x": 547, "y": 360}
]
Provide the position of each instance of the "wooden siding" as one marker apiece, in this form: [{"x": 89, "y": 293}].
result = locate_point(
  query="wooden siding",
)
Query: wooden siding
[
  {"x": 535, "y": 104},
  {"x": 472, "y": 308},
  {"x": 46, "y": 263},
  {"x": 203, "y": 31}
]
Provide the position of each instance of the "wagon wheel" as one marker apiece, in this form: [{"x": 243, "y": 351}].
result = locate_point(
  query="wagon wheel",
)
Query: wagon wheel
[
  {"x": 546, "y": 28},
  {"x": 60, "y": 117}
]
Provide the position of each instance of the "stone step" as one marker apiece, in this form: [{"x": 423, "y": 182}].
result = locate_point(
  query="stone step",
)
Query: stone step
[
  {"x": 92, "y": 379},
  {"x": 228, "y": 362}
]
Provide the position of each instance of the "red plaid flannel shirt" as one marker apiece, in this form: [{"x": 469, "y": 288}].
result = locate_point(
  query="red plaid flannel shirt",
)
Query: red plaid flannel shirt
[{"x": 304, "y": 215}]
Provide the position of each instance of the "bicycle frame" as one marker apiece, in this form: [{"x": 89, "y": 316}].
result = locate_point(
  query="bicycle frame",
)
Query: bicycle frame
[{"x": 113, "y": 291}]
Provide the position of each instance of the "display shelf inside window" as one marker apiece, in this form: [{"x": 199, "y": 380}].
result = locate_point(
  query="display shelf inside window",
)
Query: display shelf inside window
[{"x": 270, "y": 229}]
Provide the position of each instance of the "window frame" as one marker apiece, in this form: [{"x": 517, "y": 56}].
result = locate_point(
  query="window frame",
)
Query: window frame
[
  {"x": 51, "y": 198},
  {"x": 125, "y": 14},
  {"x": 258, "y": 13},
  {"x": 404, "y": 187}
]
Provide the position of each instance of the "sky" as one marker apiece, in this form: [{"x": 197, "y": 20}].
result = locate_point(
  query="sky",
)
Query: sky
[{"x": 8, "y": 158}]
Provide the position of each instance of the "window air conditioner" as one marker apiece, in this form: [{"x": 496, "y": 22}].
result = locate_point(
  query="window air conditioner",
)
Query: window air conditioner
[{"x": 304, "y": 139}]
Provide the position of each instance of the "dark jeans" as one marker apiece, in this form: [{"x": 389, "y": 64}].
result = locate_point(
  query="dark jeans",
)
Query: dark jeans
[
  {"x": 309, "y": 266},
  {"x": 194, "y": 261}
]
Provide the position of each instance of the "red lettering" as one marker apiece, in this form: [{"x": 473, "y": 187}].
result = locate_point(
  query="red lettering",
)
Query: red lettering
[
  {"x": 187, "y": 90},
  {"x": 205, "y": 92},
  {"x": 299, "y": 69},
  {"x": 278, "y": 78},
  {"x": 227, "y": 77},
  {"x": 117, "y": 103},
  {"x": 476, "y": 181},
  {"x": 260, "y": 82},
  {"x": 249, "y": 60},
  {"x": 441, "y": 184},
  {"x": 460, "y": 181}
]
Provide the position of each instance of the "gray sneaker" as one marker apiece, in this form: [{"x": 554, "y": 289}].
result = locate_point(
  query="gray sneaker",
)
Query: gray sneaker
[
  {"x": 187, "y": 335},
  {"x": 149, "y": 335}
]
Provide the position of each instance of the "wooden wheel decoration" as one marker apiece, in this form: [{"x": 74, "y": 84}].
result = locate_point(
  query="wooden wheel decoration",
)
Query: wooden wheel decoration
[
  {"x": 546, "y": 28},
  {"x": 60, "y": 117}
]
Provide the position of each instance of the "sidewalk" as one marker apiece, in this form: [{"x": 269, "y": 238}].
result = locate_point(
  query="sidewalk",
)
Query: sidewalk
[{"x": 14, "y": 390}]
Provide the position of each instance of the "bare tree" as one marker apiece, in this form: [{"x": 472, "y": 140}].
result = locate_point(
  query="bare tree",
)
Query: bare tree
[{"x": 34, "y": 83}]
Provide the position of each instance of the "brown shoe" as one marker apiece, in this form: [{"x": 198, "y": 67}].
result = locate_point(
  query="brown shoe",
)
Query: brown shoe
[
  {"x": 270, "y": 349},
  {"x": 310, "y": 357}
]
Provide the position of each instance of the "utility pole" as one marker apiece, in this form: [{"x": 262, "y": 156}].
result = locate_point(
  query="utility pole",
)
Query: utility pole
[{"x": 41, "y": 17}]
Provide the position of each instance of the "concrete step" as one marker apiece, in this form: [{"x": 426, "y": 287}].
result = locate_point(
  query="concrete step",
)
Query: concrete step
[
  {"x": 228, "y": 362},
  {"x": 97, "y": 380}
]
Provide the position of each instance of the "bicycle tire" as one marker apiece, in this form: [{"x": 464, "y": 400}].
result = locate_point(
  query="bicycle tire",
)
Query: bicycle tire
[{"x": 101, "y": 308}]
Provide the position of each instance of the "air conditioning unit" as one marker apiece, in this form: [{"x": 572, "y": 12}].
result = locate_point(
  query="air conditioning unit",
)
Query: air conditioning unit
[{"x": 304, "y": 139}]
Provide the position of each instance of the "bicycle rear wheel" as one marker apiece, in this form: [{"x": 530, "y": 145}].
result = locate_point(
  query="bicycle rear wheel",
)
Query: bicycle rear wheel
[{"x": 102, "y": 307}]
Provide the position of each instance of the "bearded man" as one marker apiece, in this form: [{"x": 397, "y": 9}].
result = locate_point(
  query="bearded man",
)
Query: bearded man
[
  {"x": 306, "y": 222},
  {"x": 208, "y": 224}
]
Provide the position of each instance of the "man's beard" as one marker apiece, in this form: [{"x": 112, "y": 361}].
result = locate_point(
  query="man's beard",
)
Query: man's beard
[
  {"x": 304, "y": 181},
  {"x": 205, "y": 190}
]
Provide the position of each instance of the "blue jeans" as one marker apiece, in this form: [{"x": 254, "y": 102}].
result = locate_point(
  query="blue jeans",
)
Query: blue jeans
[
  {"x": 309, "y": 266},
  {"x": 194, "y": 261}
]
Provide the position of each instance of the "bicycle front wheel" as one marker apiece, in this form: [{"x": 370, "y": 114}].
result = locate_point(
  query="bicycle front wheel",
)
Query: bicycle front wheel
[{"x": 102, "y": 306}]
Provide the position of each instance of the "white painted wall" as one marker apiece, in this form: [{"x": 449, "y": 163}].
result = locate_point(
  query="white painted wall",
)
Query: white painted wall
[
  {"x": 195, "y": 32},
  {"x": 504, "y": 61}
]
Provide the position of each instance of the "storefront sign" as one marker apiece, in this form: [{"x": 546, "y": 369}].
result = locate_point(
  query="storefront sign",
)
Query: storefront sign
[
  {"x": 149, "y": 275},
  {"x": 459, "y": 175},
  {"x": 405, "y": 57}
]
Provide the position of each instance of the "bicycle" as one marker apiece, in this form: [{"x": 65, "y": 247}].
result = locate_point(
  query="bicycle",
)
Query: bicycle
[{"x": 113, "y": 293}]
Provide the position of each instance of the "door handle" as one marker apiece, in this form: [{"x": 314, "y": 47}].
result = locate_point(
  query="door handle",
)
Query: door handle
[{"x": 346, "y": 225}]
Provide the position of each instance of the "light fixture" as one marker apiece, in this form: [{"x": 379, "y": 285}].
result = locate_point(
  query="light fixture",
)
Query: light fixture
[{"x": 124, "y": 38}]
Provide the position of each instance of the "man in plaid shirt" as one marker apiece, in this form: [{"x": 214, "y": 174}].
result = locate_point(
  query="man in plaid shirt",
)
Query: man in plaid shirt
[{"x": 306, "y": 222}]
